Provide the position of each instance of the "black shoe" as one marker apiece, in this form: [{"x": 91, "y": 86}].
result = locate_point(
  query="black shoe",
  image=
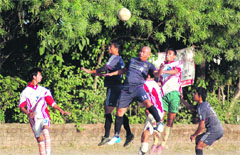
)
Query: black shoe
[
  {"x": 128, "y": 139},
  {"x": 104, "y": 141}
]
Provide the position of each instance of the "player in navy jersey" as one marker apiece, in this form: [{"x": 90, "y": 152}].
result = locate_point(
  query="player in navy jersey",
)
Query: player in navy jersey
[
  {"x": 207, "y": 118},
  {"x": 133, "y": 89},
  {"x": 36, "y": 98},
  {"x": 113, "y": 84}
]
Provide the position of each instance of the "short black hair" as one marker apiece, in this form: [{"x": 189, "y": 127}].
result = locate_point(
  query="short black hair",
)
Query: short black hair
[
  {"x": 171, "y": 49},
  {"x": 33, "y": 72},
  {"x": 202, "y": 92},
  {"x": 117, "y": 45}
]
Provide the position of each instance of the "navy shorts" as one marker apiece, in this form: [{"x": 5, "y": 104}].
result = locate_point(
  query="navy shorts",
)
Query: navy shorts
[
  {"x": 129, "y": 94},
  {"x": 113, "y": 94},
  {"x": 210, "y": 137}
]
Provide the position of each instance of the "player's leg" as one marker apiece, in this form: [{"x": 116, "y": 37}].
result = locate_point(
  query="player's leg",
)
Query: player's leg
[
  {"x": 41, "y": 145},
  {"x": 144, "y": 142},
  {"x": 46, "y": 135},
  {"x": 109, "y": 105},
  {"x": 129, "y": 135},
  {"x": 170, "y": 103},
  {"x": 118, "y": 125},
  {"x": 36, "y": 128}
]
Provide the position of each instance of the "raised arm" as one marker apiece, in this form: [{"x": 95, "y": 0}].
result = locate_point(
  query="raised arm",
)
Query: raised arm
[
  {"x": 118, "y": 72},
  {"x": 88, "y": 71}
]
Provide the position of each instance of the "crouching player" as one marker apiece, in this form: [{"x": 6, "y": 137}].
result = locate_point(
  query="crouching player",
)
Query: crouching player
[
  {"x": 155, "y": 95},
  {"x": 36, "y": 98},
  {"x": 209, "y": 119}
]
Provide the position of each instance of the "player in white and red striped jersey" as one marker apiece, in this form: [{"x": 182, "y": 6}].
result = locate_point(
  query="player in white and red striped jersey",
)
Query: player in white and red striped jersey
[
  {"x": 36, "y": 98},
  {"x": 171, "y": 85},
  {"x": 155, "y": 95}
]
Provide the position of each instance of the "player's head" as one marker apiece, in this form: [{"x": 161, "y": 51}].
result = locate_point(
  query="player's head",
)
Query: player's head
[
  {"x": 35, "y": 74},
  {"x": 201, "y": 94},
  {"x": 144, "y": 53},
  {"x": 114, "y": 48},
  {"x": 171, "y": 55}
]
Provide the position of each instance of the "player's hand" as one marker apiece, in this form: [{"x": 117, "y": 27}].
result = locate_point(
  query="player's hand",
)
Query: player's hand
[
  {"x": 84, "y": 69},
  {"x": 107, "y": 74},
  {"x": 192, "y": 138},
  {"x": 65, "y": 112},
  {"x": 31, "y": 115}
]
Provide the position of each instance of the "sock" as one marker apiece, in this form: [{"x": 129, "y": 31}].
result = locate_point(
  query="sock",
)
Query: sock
[
  {"x": 41, "y": 147},
  {"x": 126, "y": 125},
  {"x": 198, "y": 151},
  {"x": 166, "y": 135},
  {"x": 144, "y": 147},
  {"x": 118, "y": 125},
  {"x": 47, "y": 141},
  {"x": 108, "y": 123},
  {"x": 156, "y": 139},
  {"x": 154, "y": 112}
]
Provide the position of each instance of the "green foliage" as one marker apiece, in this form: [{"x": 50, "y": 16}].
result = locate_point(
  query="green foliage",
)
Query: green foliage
[{"x": 61, "y": 36}]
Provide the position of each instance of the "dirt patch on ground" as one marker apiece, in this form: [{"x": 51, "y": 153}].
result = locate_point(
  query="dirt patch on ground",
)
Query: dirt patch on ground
[{"x": 67, "y": 140}]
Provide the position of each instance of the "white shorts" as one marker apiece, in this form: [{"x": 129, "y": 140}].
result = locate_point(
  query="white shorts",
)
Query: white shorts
[
  {"x": 37, "y": 125},
  {"x": 149, "y": 124}
]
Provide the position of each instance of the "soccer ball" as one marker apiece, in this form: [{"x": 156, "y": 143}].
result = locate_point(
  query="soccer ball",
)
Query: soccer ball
[{"x": 124, "y": 14}]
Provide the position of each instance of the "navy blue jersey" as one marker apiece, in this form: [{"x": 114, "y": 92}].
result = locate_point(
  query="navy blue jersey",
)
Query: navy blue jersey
[
  {"x": 208, "y": 115},
  {"x": 115, "y": 62},
  {"x": 137, "y": 72}
]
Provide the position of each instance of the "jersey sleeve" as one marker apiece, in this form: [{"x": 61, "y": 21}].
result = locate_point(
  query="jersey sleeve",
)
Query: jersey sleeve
[
  {"x": 102, "y": 69},
  {"x": 49, "y": 99},
  {"x": 22, "y": 101},
  {"x": 202, "y": 114},
  {"x": 152, "y": 68}
]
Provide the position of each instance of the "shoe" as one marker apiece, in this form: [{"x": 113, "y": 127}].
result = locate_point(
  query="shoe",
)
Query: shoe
[
  {"x": 104, "y": 140},
  {"x": 159, "y": 149},
  {"x": 114, "y": 140},
  {"x": 141, "y": 153},
  {"x": 153, "y": 149},
  {"x": 159, "y": 127},
  {"x": 128, "y": 140}
]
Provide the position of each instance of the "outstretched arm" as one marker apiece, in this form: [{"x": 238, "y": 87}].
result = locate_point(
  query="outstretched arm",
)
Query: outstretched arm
[
  {"x": 88, "y": 71},
  {"x": 118, "y": 72},
  {"x": 198, "y": 131},
  {"x": 55, "y": 106},
  {"x": 190, "y": 107}
]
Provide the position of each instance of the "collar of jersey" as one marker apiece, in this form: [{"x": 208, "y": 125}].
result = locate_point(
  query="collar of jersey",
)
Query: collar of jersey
[
  {"x": 168, "y": 62},
  {"x": 32, "y": 86}
]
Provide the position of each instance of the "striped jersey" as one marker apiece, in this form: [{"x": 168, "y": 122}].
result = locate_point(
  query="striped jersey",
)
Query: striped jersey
[
  {"x": 171, "y": 82},
  {"x": 36, "y": 99},
  {"x": 155, "y": 95}
]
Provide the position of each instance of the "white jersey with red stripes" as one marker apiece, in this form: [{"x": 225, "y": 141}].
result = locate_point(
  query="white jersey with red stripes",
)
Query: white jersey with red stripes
[
  {"x": 155, "y": 95},
  {"x": 171, "y": 82},
  {"x": 36, "y": 99}
]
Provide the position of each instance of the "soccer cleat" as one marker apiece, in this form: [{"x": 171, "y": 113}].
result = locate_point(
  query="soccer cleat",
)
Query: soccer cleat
[
  {"x": 104, "y": 140},
  {"x": 141, "y": 153},
  {"x": 114, "y": 140},
  {"x": 129, "y": 138},
  {"x": 159, "y": 127},
  {"x": 159, "y": 149},
  {"x": 153, "y": 149}
]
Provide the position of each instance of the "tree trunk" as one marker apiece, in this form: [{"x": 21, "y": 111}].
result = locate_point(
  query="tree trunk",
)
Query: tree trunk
[
  {"x": 99, "y": 62},
  {"x": 234, "y": 101}
]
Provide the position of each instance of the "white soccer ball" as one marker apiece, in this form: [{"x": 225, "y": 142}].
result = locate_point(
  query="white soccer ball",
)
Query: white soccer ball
[{"x": 124, "y": 14}]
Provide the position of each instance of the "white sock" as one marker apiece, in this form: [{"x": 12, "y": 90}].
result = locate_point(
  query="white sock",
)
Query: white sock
[
  {"x": 41, "y": 148},
  {"x": 47, "y": 141}
]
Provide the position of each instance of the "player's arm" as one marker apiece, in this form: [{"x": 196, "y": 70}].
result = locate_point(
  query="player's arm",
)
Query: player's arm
[
  {"x": 171, "y": 72},
  {"x": 198, "y": 131},
  {"x": 88, "y": 71},
  {"x": 190, "y": 107},
  {"x": 52, "y": 103},
  {"x": 118, "y": 72},
  {"x": 55, "y": 106},
  {"x": 24, "y": 110}
]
